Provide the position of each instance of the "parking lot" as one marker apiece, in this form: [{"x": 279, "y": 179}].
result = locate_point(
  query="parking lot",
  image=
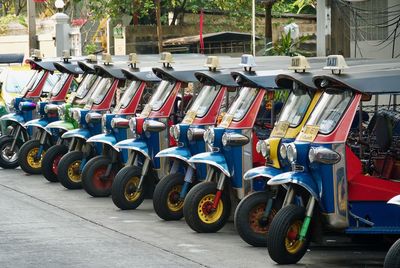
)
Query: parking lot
[{"x": 45, "y": 225}]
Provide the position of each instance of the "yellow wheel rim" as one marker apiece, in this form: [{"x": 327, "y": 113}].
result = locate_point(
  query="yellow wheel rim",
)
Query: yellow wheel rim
[
  {"x": 73, "y": 171},
  {"x": 131, "y": 193},
  {"x": 173, "y": 202},
  {"x": 31, "y": 158},
  {"x": 205, "y": 214},
  {"x": 292, "y": 243}
]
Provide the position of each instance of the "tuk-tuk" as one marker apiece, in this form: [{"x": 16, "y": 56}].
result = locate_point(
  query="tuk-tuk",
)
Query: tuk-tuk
[
  {"x": 392, "y": 258},
  {"x": 25, "y": 108},
  {"x": 151, "y": 128},
  {"x": 98, "y": 174},
  {"x": 232, "y": 144},
  {"x": 255, "y": 212},
  {"x": 215, "y": 96},
  {"x": 341, "y": 176},
  {"x": 31, "y": 152},
  {"x": 78, "y": 99},
  {"x": 110, "y": 80}
]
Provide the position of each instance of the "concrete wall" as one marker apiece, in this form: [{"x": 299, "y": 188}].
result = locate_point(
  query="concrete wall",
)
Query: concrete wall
[{"x": 19, "y": 44}]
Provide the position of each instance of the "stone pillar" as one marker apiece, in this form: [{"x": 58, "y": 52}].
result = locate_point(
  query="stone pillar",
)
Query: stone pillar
[{"x": 62, "y": 30}]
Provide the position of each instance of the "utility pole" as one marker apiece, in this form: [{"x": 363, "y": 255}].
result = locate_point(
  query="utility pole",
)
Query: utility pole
[
  {"x": 32, "y": 41},
  {"x": 159, "y": 29}
]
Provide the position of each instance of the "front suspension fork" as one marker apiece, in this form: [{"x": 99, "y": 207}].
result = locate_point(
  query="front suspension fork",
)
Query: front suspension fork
[
  {"x": 307, "y": 219},
  {"x": 186, "y": 182},
  {"x": 42, "y": 142},
  {"x": 17, "y": 133},
  {"x": 144, "y": 172},
  {"x": 272, "y": 194},
  {"x": 220, "y": 188}
]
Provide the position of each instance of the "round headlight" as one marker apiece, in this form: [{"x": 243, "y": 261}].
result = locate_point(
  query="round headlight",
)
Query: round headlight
[
  {"x": 225, "y": 139},
  {"x": 209, "y": 136},
  {"x": 258, "y": 146},
  {"x": 38, "y": 108},
  {"x": 20, "y": 106},
  {"x": 311, "y": 155},
  {"x": 175, "y": 131},
  {"x": 190, "y": 134},
  {"x": 265, "y": 148},
  {"x": 76, "y": 115},
  {"x": 283, "y": 151},
  {"x": 103, "y": 120},
  {"x": 132, "y": 124},
  {"x": 113, "y": 123},
  {"x": 291, "y": 152},
  {"x": 61, "y": 110}
]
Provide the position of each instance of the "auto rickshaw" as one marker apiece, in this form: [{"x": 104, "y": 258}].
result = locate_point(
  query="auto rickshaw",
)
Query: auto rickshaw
[
  {"x": 215, "y": 96},
  {"x": 343, "y": 177},
  {"x": 151, "y": 128},
  {"x": 110, "y": 80},
  {"x": 392, "y": 259},
  {"x": 31, "y": 152},
  {"x": 99, "y": 172},
  {"x": 23, "y": 109},
  {"x": 84, "y": 91}
]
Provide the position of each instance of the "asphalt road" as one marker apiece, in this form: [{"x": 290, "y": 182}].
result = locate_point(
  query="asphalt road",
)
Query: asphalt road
[{"x": 44, "y": 225}]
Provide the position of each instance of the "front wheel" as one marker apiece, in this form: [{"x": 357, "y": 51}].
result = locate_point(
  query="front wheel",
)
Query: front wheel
[
  {"x": 284, "y": 245},
  {"x": 8, "y": 158},
  {"x": 30, "y": 158},
  {"x": 250, "y": 220},
  {"x": 95, "y": 181},
  {"x": 51, "y": 161},
  {"x": 69, "y": 170},
  {"x": 198, "y": 208},
  {"x": 392, "y": 258},
  {"x": 166, "y": 199},
  {"x": 125, "y": 192}
]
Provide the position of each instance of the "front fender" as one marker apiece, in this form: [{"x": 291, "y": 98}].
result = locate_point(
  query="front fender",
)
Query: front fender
[
  {"x": 61, "y": 124},
  {"x": 134, "y": 145},
  {"x": 215, "y": 159},
  {"x": 267, "y": 172},
  {"x": 19, "y": 119},
  {"x": 105, "y": 138},
  {"x": 40, "y": 123},
  {"x": 303, "y": 179},
  {"x": 77, "y": 133},
  {"x": 181, "y": 153}
]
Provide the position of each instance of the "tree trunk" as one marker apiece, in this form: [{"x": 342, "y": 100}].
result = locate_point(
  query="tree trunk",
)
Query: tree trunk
[
  {"x": 268, "y": 21},
  {"x": 159, "y": 28}
]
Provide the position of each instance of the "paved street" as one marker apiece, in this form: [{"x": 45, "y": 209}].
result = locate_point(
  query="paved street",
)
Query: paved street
[{"x": 45, "y": 225}]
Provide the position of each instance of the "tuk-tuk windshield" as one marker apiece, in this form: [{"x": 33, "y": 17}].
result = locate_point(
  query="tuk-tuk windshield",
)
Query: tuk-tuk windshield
[
  {"x": 242, "y": 103},
  {"x": 51, "y": 81},
  {"x": 101, "y": 90},
  {"x": 204, "y": 100},
  {"x": 160, "y": 96},
  {"x": 295, "y": 107},
  {"x": 36, "y": 77},
  {"x": 86, "y": 84},
  {"x": 329, "y": 110},
  {"x": 59, "y": 85},
  {"x": 15, "y": 81},
  {"x": 128, "y": 95}
]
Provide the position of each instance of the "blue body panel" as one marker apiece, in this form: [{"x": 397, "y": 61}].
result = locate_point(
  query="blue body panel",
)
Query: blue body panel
[
  {"x": 179, "y": 152},
  {"x": 15, "y": 117},
  {"x": 215, "y": 159},
  {"x": 82, "y": 133},
  {"x": 264, "y": 172},
  {"x": 137, "y": 145},
  {"x": 111, "y": 140}
]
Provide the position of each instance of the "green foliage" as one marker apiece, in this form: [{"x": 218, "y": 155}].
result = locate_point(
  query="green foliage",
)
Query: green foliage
[
  {"x": 286, "y": 46},
  {"x": 90, "y": 48},
  {"x": 116, "y": 8},
  {"x": 6, "y": 20}
]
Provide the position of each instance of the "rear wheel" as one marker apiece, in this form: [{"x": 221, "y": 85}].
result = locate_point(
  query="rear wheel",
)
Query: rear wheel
[
  {"x": 69, "y": 174},
  {"x": 284, "y": 244},
  {"x": 125, "y": 192},
  {"x": 198, "y": 208},
  {"x": 8, "y": 158},
  {"x": 392, "y": 258},
  {"x": 51, "y": 161},
  {"x": 94, "y": 180},
  {"x": 28, "y": 159},
  {"x": 250, "y": 220},
  {"x": 166, "y": 200}
]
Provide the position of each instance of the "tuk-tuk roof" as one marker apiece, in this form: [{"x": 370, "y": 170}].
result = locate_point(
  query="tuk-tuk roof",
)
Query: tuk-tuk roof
[
  {"x": 136, "y": 74},
  {"x": 285, "y": 80},
  {"x": 369, "y": 81},
  {"x": 86, "y": 67},
  {"x": 110, "y": 71},
  {"x": 11, "y": 58},
  {"x": 259, "y": 79},
  {"x": 67, "y": 67},
  {"x": 171, "y": 74},
  {"x": 43, "y": 65},
  {"x": 223, "y": 78}
]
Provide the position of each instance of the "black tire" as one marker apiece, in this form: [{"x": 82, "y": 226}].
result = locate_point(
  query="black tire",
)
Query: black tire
[
  {"x": 192, "y": 203},
  {"x": 26, "y": 157},
  {"x": 124, "y": 194},
  {"x": 166, "y": 200},
  {"x": 68, "y": 170},
  {"x": 51, "y": 161},
  {"x": 7, "y": 160},
  {"x": 392, "y": 259},
  {"x": 92, "y": 181},
  {"x": 250, "y": 222},
  {"x": 278, "y": 231}
]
